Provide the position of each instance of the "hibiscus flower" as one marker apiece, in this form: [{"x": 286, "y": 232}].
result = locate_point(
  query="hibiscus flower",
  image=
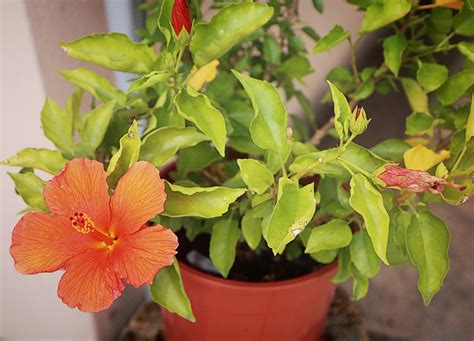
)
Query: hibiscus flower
[{"x": 100, "y": 241}]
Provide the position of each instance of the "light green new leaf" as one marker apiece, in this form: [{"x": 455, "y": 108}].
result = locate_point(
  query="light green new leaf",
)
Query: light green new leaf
[
  {"x": 363, "y": 255},
  {"x": 114, "y": 51},
  {"x": 164, "y": 19},
  {"x": 168, "y": 290},
  {"x": 325, "y": 256},
  {"x": 455, "y": 87},
  {"x": 161, "y": 145},
  {"x": 470, "y": 122},
  {"x": 382, "y": 13},
  {"x": 271, "y": 50},
  {"x": 269, "y": 125},
  {"x": 333, "y": 38},
  {"x": 125, "y": 157},
  {"x": 205, "y": 202},
  {"x": 252, "y": 229},
  {"x": 197, "y": 108},
  {"x": 360, "y": 283},
  {"x": 30, "y": 187},
  {"x": 43, "y": 159},
  {"x": 393, "y": 48},
  {"x": 57, "y": 126},
  {"x": 416, "y": 96},
  {"x": 224, "y": 238},
  {"x": 73, "y": 106},
  {"x": 294, "y": 210},
  {"x": 427, "y": 239},
  {"x": 228, "y": 27},
  {"x": 418, "y": 123},
  {"x": 148, "y": 80},
  {"x": 342, "y": 112},
  {"x": 255, "y": 174},
  {"x": 467, "y": 49},
  {"x": 97, "y": 85},
  {"x": 95, "y": 126},
  {"x": 344, "y": 262},
  {"x": 366, "y": 200},
  {"x": 296, "y": 67},
  {"x": 335, "y": 234},
  {"x": 431, "y": 76}
]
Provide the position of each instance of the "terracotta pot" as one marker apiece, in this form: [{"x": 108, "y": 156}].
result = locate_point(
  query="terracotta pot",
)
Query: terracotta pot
[{"x": 289, "y": 310}]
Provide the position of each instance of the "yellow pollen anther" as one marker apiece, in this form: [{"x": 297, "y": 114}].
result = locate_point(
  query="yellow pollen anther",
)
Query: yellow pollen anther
[{"x": 82, "y": 223}]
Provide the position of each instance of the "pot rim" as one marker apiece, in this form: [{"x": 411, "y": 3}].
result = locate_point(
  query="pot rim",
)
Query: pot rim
[{"x": 233, "y": 284}]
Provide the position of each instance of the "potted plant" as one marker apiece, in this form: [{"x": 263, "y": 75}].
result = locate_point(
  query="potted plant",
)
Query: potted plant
[{"x": 267, "y": 221}]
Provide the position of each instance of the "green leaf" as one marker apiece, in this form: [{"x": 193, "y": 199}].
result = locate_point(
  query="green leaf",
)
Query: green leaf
[
  {"x": 43, "y": 159},
  {"x": 335, "y": 234},
  {"x": 196, "y": 158},
  {"x": 431, "y": 76},
  {"x": 197, "y": 108},
  {"x": 360, "y": 283},
  {"x": 73, "y": 106},
  {"x": 464, "y": 22},
  {"x": 362, "y": 158},
  {"x": 114, "y": 51},
  {"x": 418, "y": 123},
  {"x": 95, "y": 126},
  {"x": 255, "y": 174},
  {"x": 168, "y": 290},
  {"x": 455, "y": 87},
  {"x": 271, "y": 50},
  {"x": 252, "y": 229},
  {"x": 224, "y": 238},
  {"x": 467, "y": 49},
  {"x": 205, "y": 202},
  {"x": 319, "y": 5},
  {"x": 296, "y": 67},
  {"x": 293, "y": 211},
  {"x": 333, "y": 38},
  {"x": 310, "y": 32},
  {"x": 227, "y": 28},
  {"x": 416, "y": 96},
  {"x": 393, "y": 48},
  {"x": 97, "y": 85},
  {"x": 125, "y": 157},
  {"x": 392, "y": 149},
  {"x": 315, "y": 163},
  {"x": 30, "y": 187},
  {"x": 268, "y": 127},
  {"x": 396, "y": 249},
  {"x": 161, "y": 145},
  {"x": 325, "y": 256},
  {"x": 470, "y": 122},
  {"x": 148, "y": 80},
  {"x": 334, "y": 199},
  {"x": 427, "y": 240},
  {"x": 344, "y": 262},
  {"x": 379, "y": 14},
  {"x": 57, "y": 126},
  {"x": 164, "y": 19},
  {"x": 342, "y": 112},
  {"x": 368, "y": 202},
  {"x": 363, "y": 255}
]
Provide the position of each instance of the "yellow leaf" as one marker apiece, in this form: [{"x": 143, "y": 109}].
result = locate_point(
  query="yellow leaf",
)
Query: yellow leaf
[
  {"x": 423, "y": 158},
  {"x": 206, "y": 73},
  {"x": 456, "y": 4}
]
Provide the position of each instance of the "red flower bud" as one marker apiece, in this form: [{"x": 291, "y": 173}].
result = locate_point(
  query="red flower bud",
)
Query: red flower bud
[
  {"x": 415, "y": 180},
  {"x": 180, "y": 17}
]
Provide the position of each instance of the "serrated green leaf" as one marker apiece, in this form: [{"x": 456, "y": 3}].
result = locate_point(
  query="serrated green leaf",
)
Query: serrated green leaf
[
  {"x": 125, "y": 157},
  {"x": 224, "y": 238},
  {"x": 148, "y": 80},
  {"x": 114, "y": 51},
  {"x": 97, "y": 85},
  {"x": 197, "y": 108},
  {"x": 431, "y": 76},
  {"x": 95, "y": 127},
  {"x": 363, "y": 255},
  {"x": 161, "y": 145},
  {"x": 228, "y": 27},
  {"x": 333, "y": 235},
  {"x": 205, "y": 202},
  {"x": 366, "y": 200},
  {"x": 30, "y": 187},
  {"x": 168, "y": 290},
  {"x": 455, "y": 87},
  {"x": 255, "y": 174},
  {"x": 393, "y": 48},
  {"x": 57, "y": 126},
  {"x": 379, "y": 14},
  {"x": 427, "y": 240},
  {"x": 268, "y": 127},
  {"x": 43, "y": 159},
  {"x": 336, "y": 36}
]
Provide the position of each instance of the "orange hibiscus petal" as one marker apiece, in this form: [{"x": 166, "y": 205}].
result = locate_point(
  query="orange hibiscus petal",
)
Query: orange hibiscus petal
[
  {"x": 42, "y": 243},
  {"x": 90, "y": 282},
  {"x": 139, "y": 256},
  {"x": 138, "y": 197},
  {"x": 80, "y": 188}
]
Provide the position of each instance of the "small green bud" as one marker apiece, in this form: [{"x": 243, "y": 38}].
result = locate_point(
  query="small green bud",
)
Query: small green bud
[{"x": 358, "y": 123}]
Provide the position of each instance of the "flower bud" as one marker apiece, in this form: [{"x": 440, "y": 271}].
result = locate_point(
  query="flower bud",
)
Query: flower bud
[
  {"x": 358, "y": 123},
  {"x": 180, "y": 17}
]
